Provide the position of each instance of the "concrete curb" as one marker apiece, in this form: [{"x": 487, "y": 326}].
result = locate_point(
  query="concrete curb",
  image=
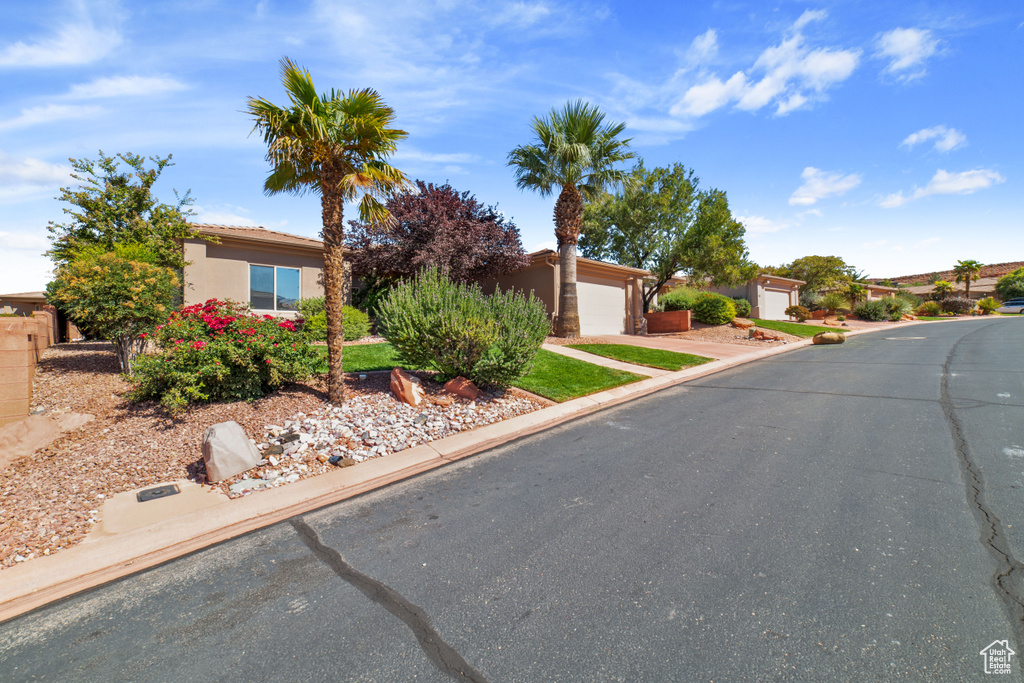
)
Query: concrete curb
[{"x": 102, "y": 558}]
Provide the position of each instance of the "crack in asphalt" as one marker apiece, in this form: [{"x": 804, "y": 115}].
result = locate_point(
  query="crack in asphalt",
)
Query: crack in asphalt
[
  {"x": 1009, "y": 576},
  {"x": 440, "y": 653}
]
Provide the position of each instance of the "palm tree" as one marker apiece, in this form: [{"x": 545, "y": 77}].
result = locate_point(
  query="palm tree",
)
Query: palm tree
[
  {"x": 334, "y": 144},
  {"x": 966, "y": 271},
  {"x": 942, "y": 288},
  {"x": 575, "y": 151}
]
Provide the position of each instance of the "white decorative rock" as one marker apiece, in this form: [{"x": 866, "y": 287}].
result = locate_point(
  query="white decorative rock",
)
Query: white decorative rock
[{"x": 227, "y": 451}]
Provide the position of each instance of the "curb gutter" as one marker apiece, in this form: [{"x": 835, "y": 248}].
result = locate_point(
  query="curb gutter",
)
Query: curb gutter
[{"x": 102, "y": 558}]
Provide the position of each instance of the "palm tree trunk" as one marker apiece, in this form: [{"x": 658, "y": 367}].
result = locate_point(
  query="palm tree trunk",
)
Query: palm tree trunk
[
  {"x": 331, "y": 205},
  {"x": 568, "y": 221}
]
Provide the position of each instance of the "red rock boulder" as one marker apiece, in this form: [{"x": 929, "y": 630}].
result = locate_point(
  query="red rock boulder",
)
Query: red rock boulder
[
  {"x": 460, "y": 386},
  {"x": 405, "y": 388}
]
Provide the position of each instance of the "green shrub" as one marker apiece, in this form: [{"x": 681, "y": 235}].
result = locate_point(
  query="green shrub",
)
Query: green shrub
[
  {"x": 1011, "y": 285},
  {"x": 714, "y": 309},
  {"x": 911, "y": 298},
  {"x": 356, "y": 325},
  {"x": 841, "y": 318},
  {"x": 220, "y": 351},
  {"x": 871, "y": 310},
  {"x": 742, "y": 307},
  {"x": 798, "y": 312},
  {"x": 834, "y": 301},
  {"x": 457, "y": 330},
  {"x": 811, "y": 300},
  {"x": 678, "y": 299},
  {"x": 896, "y": 307},
  {"x": 957, "y": 304},
  {"x": 987, "y": 305},
  {"x": 929, "y": 308}
]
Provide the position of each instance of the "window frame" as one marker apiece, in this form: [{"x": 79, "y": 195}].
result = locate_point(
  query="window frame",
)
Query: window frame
[{"x": 275, "y": 309}]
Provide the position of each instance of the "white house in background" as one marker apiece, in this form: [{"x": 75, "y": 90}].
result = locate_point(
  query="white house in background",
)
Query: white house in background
[{"x": 769, "y": 295}]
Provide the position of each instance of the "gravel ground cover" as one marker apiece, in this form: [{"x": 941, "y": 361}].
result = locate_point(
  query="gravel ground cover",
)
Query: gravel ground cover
[{"x": 51, "y": 499}]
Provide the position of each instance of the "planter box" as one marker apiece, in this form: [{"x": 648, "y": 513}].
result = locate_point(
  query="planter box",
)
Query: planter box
[{"x": 669, "y": 321}]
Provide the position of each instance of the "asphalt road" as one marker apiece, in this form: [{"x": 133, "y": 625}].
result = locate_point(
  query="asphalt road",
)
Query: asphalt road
[{"x": 835, "y": 513}]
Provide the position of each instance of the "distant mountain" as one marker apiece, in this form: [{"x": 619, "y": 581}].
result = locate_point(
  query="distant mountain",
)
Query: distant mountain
[{"x": 992, "y": 270}]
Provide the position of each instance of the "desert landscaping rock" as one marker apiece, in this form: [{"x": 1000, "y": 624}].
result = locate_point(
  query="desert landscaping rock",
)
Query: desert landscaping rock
[
  {"x": 829, "y": 338},
  {"x": 462, "y": 387},
  {"x": 227, "y": 451},
  {"x": 405, "y": 387}
]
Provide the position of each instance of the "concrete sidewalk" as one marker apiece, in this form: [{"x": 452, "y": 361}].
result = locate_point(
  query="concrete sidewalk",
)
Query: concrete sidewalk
[{"x": 142, "y": 535}]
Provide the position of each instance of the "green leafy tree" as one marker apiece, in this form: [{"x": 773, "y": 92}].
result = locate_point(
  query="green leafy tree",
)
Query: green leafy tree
[
  {"x": 1011, "y": 285},
  {"x": 660, "y": 221},
  {"x": 115, "y": 205},
  {"x": 576, "y": 152},
  {"x": 855, "y": 291},
  {"x": 965, "y": 272},
  {"x": 819, "y": 273},
  {"x": 120, "y": 295},
  {"x": 336, "y": 145}
]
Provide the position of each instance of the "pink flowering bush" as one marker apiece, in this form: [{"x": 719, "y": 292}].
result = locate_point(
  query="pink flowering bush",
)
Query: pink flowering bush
[{"x": 221, "y": 351}]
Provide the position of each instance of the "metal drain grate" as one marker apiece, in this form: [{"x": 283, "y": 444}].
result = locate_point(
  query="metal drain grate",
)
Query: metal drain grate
[{"x": 157, "y": 492}]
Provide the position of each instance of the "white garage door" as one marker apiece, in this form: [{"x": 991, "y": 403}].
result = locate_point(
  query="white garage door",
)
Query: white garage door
[
  {"x": 776, "y": 301},
  {"x": 602, "y": 305}
]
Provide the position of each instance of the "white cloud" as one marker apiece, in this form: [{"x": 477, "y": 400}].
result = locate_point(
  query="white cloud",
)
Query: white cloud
[
  {"x": 120, "y": 86},
  {"x": 704, "y": 48},
  {"x": 760, "y": 224},
  {"x": 789, "y": 74},
  {"x": 927, "y": 242},
  {"x": 907, "y": 50},
  {"x": 819, "y": 184},
  {"x": 710, "y": 95},
  {"x": 946, "y": 139},
  {"x": 522, "y": 14},
  {"x": 22, "y": 241},
  {"x": 411, "y": 154},
  {"x": 51, "y": 112},
  {"x": 32, "y": 171},
  {"x": 967, "y": 182},
  {"x": 876, "y": 244},
  {"x": 223, "y": 216},
  {"x": 944, "y": 182},
  {"x": 76, "y": 43}
]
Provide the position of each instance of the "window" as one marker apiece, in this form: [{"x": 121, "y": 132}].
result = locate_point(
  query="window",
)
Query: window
[{"x": 273, "y": 289}]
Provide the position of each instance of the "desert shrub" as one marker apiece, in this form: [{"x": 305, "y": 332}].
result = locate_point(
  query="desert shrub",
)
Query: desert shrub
[
  {"x": 459, "y": 331},
  {"x": 841, "y": 318},
  {"x": 871, "y": 310},
  {"x": 714, "y": 309},
  {"x": 742, "y": 307},
  {"x": 678, "y": 299},
  {"x": 929, "y": 308},
  {"x": 355, "y": 323},
  {"x": 798, "y": 312},
  {"x": 896, "y": 307},
  {"x": 957, "y": 304},
  {"x": 834, "y": 301},
  {"x": 220, "y": 351},
  {"x": 987, "y": 305},
  {"x": 811, "y": 300},
  {"x": 913, "y": 299}
]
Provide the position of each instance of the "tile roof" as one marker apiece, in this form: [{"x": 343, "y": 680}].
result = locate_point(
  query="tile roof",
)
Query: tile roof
[{"x": 257, "y": 233}]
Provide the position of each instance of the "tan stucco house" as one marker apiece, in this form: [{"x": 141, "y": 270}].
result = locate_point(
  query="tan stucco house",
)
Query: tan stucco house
[
  {"x": 267, "y": 269},
  {"x": 769, "y": 295},
  {"x": 610, "y": 296}
]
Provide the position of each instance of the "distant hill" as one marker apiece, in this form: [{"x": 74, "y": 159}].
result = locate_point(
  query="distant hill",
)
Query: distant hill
[{"x": 992, "y": 270}]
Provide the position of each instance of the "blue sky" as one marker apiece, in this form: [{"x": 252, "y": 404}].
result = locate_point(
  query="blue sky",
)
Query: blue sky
[{"x": 885, "y": 133}]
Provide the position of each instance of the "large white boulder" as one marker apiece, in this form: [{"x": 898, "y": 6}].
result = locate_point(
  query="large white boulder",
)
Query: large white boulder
[{"x": 227, "y": 451}]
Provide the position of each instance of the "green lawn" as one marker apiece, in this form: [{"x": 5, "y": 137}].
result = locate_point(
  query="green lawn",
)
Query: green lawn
[
  {"x": 553, "y": 376},
  {"x": 798, "y": 329},
  {"x": 561, "y": 378},
  {"x": 363, "y": 357},
  {"x": 639, "y": 355}
]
